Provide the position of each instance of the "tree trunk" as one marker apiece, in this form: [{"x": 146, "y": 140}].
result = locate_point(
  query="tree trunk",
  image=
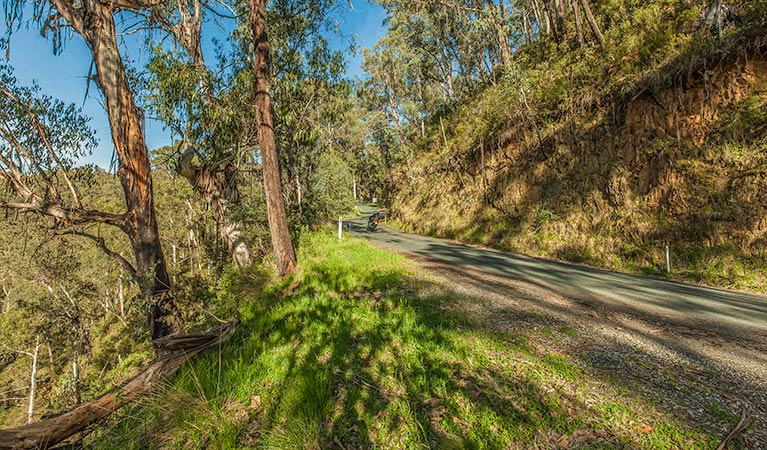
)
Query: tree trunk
[
  {"x": 299, "y": 195},
  {"x": 713, "y": 17},
  {"x": 121, "y": 295},
  {"x": 592, "y": 22},
  {"x": 134, "y": 170},
  {"x": 208, "y": 181},
  {"x": 526, "y": 26},
  {"x": 6, "y": 299},
  {"x": 503, "y": 36},
  {"x": 275, "y": 205},
  {"x": 559, "y": 11},
  {"x": 551, "y": 22},
  {"x": 578, "y": 24},
  {"x": 539, "y": 20},
  {"x": 33, "y": 382},
  {"x": 219, "y": 187},
  {"x": 76, "y": 378}
]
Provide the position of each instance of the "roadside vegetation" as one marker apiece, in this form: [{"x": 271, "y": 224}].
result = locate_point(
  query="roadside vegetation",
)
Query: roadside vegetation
[
  {"x": 599, "y": 151},
  {"x": 364, "y": 349}
]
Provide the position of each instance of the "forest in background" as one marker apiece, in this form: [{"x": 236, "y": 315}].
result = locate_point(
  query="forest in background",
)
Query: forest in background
[{"x": 479, "y": 121}]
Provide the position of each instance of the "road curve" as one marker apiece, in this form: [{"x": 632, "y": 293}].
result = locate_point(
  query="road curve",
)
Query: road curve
[{"x": 731, "y": 313}]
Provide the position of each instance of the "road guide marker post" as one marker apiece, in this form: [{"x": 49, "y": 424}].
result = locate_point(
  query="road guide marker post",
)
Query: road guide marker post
[
  {"x": 668, "y": 263},
  {"x": 340, "y": 227}
]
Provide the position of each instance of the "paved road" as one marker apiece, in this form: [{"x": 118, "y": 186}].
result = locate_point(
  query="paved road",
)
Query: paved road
[{"x": 727, "y": 312}]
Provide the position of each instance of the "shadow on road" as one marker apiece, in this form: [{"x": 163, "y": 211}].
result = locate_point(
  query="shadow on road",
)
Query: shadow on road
[{"x": 733, "y": 314}]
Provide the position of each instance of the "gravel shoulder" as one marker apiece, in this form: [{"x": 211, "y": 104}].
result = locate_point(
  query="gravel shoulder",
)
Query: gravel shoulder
[{"x": 703, "y": 377}]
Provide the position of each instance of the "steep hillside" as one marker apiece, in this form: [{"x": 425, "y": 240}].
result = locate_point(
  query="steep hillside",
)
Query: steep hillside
[{"x": 680, "y": 161}]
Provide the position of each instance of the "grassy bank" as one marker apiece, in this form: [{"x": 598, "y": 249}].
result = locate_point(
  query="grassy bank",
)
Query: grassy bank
[
  {"x": 683, "y": 166},
  {"x": 364, "y": 350}
]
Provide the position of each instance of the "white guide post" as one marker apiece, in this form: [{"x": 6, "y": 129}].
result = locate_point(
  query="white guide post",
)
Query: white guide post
[
  {"x": 340, "y": 227},
  {"x": 668, "y": 262}
]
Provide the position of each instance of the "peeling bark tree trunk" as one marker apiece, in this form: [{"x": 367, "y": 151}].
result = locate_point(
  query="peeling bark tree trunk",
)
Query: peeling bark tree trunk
[
  {"x": 713, "y": 17},
  {"x": 219, "y": 187},
  {"x": 275, "y": 205},
  {"x": 134, "y": 169},
  {"x": 49, "y": 432}
]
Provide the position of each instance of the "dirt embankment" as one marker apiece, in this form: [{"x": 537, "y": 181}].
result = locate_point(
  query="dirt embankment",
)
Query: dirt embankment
[{"x": 683, "y": 166}]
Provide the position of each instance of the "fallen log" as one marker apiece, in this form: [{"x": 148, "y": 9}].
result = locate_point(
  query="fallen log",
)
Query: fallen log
[{"x": 53, "y": 430}]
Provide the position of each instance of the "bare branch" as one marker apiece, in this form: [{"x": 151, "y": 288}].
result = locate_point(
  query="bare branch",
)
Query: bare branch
[
  {"x": 234, "y": 14},
  {"x": 51, "y": 24},
  {"x": 71, "y": 14},
  {"x": 15, "y": 178},
  {"x": 49, "y": 432},
  {"x": 136, "y": 5},
  {"x": 67, "y": 215},
  {"x": 21, "y": 150},
  {"x": 101, "y": 243}
]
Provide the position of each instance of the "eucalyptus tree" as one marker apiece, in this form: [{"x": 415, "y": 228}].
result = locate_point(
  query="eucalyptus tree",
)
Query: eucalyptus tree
[
  {"x": 212, "y": 109},
  {"x": 205, "y": 110},
  {"x": 40, "y": 132},
  {"x": 275, "y": 205}
]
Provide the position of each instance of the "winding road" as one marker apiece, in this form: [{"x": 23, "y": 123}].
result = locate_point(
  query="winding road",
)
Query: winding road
[{"x": 729, "y": 313}]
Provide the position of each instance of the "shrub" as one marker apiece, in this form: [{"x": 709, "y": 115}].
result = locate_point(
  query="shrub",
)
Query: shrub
[{"x": 331, "y": 192}]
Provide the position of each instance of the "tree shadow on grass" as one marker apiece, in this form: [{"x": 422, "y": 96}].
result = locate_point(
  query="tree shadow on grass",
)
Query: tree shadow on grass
[
  {"x": 374, "y": 358},
  {"x": 685, "y": 370},
  {"x": 380, "y": 366}
]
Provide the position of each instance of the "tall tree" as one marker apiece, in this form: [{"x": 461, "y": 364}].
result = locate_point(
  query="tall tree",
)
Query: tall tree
[
  {"x": 275, "y": 205},
  {"x": 593, "y": 23},
  {"x": 94, "y": 20}
]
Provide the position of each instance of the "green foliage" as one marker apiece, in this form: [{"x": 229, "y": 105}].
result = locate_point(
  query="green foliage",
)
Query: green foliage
[
  {"x": 62, "y": 127},
  {"x": 330, "y": 192},
  {"x": 519, "y": 158}
]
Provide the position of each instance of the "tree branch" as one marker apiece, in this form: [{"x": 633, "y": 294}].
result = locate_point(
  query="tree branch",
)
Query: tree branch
[
  {"x": 48, "y": 432},
  {"x": 101, "y": 243},
  {"x": 70, "y": 14},
  {"x": 41, "y": 132},
  {"x": 65, "y": 214},
  {"x": 17, "y": 168},
  {"x": 136, "y": 5}
]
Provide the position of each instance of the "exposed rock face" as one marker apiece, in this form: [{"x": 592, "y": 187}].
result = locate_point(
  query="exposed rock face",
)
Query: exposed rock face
[{"x": 684, "y": 166}]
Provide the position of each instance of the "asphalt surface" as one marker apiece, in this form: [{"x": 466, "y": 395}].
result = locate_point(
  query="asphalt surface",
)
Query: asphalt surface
[{"x": 730, "y": 313}]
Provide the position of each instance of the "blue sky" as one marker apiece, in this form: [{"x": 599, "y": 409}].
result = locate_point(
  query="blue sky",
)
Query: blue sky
[{"x": 64, "y": 76}]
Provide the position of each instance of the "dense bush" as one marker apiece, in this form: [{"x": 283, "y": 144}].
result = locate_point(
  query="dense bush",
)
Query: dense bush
[{"x": 331, "y": 190}]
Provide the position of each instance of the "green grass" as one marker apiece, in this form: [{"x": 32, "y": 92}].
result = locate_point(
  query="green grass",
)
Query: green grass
[{"x": 361, "y": 351}]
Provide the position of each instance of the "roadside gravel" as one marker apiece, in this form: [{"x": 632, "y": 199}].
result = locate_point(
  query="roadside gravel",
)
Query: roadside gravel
[{"x": 702, "y": 377}]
